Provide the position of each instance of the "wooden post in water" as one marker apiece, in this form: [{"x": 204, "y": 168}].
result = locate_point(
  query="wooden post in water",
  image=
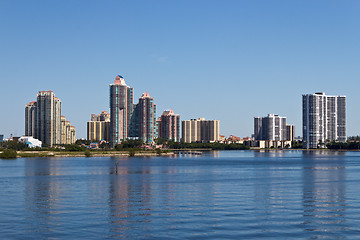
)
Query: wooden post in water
[{"x": 116, "y": 167}]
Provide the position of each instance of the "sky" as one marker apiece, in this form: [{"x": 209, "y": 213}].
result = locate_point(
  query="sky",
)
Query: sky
[{"x": 229, "y": 60}]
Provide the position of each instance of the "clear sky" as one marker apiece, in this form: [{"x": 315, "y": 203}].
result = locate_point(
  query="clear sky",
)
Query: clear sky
[{"x": 226, "y": 60}]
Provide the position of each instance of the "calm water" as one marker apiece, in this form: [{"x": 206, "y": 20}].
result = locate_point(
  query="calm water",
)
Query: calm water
[{"x": 220, "y": 195}]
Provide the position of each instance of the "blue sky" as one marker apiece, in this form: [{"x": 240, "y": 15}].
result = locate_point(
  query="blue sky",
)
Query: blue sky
[{"x": 225, "y": 60}]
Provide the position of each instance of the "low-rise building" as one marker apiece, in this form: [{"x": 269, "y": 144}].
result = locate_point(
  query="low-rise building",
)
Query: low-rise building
[
  {"x": 269, "y": 143},
  {"x": 30, "y": 141}
]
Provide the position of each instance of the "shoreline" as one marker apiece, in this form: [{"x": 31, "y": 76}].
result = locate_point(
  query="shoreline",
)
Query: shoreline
[{"x": 25, "y": 154}]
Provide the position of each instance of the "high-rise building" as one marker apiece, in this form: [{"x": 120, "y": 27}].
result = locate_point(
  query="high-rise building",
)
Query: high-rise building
[
  {"x": 48, "y": 110},
  {"x": 103, "y": 116},
  {"x": 99, "y": 127},
  {"x": 169, "y": 126},
  {"x": 324, "y": 119},
  {"x": 121, "y": 110},
  {"x": 146, "y": 118},
  {"x": 200, "y": 130},
  {"x": 272, "y": 127},
  {"x": 1, "y": 138},
  {"x": 67, "y": 132},
  {"x": 43, "y": 119},
  {"x": 290, "y": 132},
  {"x": 30, "y": 119}
]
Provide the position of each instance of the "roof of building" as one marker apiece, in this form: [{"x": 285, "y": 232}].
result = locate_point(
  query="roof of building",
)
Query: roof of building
[
  {"x": 168, "y": 112},
  {"x": 119, "y": 80},
  {"x": 145, "y": 95}
]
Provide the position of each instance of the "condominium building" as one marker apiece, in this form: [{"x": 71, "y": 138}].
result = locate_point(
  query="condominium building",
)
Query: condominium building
[
  {"x": 30, "y": 119},
  {"x": 67, "y": 132},
  {"x": 290, "y": 132},
  {"x": 99, "y": 127},
  {"x": 169, "y": 126},
  {"x": 103, "y": 116},
  {"x": 146, "y": 118},
  {"x": 200, "y": 130},
  {"x": 324, "y": 119},
  {"x": 43, "y": 119},
  {"x": 272, "y": 127},
  {"x": 121, "y": 109}
]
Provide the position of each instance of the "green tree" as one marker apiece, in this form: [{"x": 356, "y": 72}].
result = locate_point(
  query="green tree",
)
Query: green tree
[{"x": 8, "y": 154}]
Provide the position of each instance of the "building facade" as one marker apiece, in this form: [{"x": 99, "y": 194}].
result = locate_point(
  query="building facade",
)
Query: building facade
[
  {"x": 324, "y": 119},
  {"x": 30, "y": 119},
  {"x": 99, "y": 127},
  {"x": 146, "y": 118},
  {"x": 290, "y": 132},
  {"x": 169, "y": 126},
  {"x": 121, "y": 110},
  {"x": 68, "y": 135},
  {"x": 200, "y": 130},
  {"x": 272, "y": 127},
  {"x": 43, "y": 119}
]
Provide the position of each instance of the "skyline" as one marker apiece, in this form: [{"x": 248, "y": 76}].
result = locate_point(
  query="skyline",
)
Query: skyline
[{"x": 229, "y": 62}]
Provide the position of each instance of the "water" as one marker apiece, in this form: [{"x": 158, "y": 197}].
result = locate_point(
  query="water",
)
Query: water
[{"x": 219, "y": 195}]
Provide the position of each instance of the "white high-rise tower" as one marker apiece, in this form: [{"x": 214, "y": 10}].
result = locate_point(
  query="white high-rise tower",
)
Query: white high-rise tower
[{"x": 324, "y": 119}]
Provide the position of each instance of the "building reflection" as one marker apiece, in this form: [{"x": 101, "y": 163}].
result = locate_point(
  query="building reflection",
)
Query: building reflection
[
  {"x": 143, "y": 195},
  {"x": 41, "y": 195},
  {"x": 129, "y": 196},
  {"x": 324, "y": 193}
]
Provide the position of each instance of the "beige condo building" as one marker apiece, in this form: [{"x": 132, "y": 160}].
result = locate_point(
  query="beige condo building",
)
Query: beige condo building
[
  {"x": 67, "y": 132},
  {"x": 200, "y": 130},
  {"x": 44, "y": 122},
  {"x": 99, "y": 127}
]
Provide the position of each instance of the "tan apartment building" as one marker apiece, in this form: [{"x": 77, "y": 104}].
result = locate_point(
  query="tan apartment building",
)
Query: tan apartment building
[
  {"x": 200, "y": 130},
  {"x": 68, "y": 135},
  {"x": 99, "y": 127}
]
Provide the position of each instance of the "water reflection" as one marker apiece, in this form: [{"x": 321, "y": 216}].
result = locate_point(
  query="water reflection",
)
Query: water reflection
[
  {"x": 41, "y": 195},
  {"x": 129, "y": 197},
  {"x": 324, "y": 193}
]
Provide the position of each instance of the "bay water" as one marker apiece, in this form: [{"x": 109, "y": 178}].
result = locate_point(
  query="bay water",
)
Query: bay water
[{"x": 217, "y": 195}]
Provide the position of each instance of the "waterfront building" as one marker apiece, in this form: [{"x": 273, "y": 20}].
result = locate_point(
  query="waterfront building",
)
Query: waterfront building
[
  {"x": 157, "y": 127},
  {"x": 30, "y": 141},
  {"x": 1, "y": 138},
  {"x": 134, "y": 123},
  {"x": 272, "y": 127},
  {"x": 324, "y": 119},
  {"x": 290, "y": 132},
  {"x": 146, "y": 117},
  {"x": 121, "y": 110},
  {"x": 169, "y": 126},
  {"x": 67, "y": 132},
  {"x": 269, "y": 143},
  {"x": 200, "y": 130},
  {"x": 30, "y": 119},
  {"x": 43, "y": 119},
  {"x": 46, "y": 125},
  {"x": 99, "y": 127},
  {"x": 103, "y": 116}
]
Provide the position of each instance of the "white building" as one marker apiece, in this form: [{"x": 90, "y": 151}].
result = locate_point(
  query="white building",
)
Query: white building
[
  {"x": 30, "y": 141},
  {"x": 324, "y": 119},
  {"x": 272, "y": 127}
]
